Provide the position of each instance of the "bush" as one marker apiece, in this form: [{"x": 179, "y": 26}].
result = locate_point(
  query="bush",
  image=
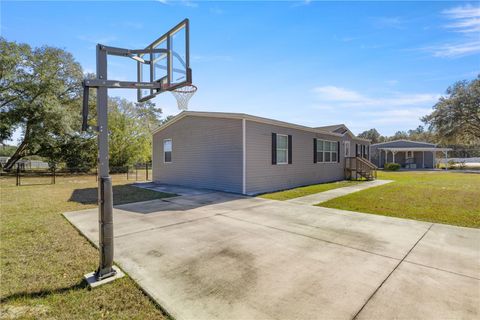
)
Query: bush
[{"x": 391, "y": 166}]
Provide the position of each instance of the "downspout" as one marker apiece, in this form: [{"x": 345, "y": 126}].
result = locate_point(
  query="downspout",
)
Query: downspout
[{"x": 244, "y": 158}]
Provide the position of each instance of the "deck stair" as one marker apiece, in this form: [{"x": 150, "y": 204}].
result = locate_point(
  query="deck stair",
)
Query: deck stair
[{"x": 358, "y": 168}]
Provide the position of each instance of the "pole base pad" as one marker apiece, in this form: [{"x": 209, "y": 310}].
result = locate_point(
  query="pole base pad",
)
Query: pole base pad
[{"x": 93, "y": 282}]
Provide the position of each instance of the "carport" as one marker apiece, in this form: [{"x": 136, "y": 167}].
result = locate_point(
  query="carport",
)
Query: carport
[{"x": 409, "y": 154}]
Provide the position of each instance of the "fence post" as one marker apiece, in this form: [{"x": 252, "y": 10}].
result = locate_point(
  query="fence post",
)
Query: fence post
[
  {"x": 146, "y": 171},
  {"x": 128, "y": 169},
  {"x": 18, "y": 174},
  {"x": 53, "y": 176}
]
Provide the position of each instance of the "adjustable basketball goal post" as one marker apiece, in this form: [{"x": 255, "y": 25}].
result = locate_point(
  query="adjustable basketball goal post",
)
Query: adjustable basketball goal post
[{"x": 162, "y": 66}]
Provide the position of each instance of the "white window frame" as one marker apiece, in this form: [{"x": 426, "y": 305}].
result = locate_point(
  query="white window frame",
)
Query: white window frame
[
  {"x": 409, "y": 154},
  {"x": 286, "y": 150},
  {"x": 171, "y": 150},
  {"x": 324, "y": 152}
]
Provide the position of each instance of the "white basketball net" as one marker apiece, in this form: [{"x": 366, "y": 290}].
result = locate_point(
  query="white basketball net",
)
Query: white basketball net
[{"x": 183, "y": 95}]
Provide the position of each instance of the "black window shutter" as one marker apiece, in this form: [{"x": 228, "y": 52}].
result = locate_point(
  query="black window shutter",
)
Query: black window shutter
[
  {"x": 274, "y": 148},
  {"x": 356, "y": 149},
  {"x": 289, "y": 149},
  {"x": 314, "y": 150},
  {"x": 338, "y": 151}
]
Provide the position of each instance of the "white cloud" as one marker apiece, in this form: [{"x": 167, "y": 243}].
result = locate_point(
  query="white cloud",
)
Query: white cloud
[
  {"x": 464, "y": 20},
  {"x": 452, "y": 50},
  {"x": 349, "y": 98},
  {"x": 388, "y": 22},
  {"x": 98, "y": 39},
  {"x": 333, "y": 93},
  {"x": 301, "y": 3},
  {"x": 217, "y": 11},
  {"x": 185, "y": 3},
  {"x": 188, "y": 3},
  {"x": 397, "y": 117}
]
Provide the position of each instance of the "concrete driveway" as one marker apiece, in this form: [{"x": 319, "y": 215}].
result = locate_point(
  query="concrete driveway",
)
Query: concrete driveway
[{"x": 212, "y": 255}]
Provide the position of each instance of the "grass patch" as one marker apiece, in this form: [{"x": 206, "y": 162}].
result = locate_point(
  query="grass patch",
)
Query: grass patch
[
  {"x": 44, "y": 258},
  {"x": 443, "y": 197},
  {"x": 308, "y": 190}
]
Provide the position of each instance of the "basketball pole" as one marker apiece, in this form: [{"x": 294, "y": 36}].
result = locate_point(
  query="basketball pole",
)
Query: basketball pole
[
  {"x": 106, "y": 271},
  {"x": 105, "y": 196}
]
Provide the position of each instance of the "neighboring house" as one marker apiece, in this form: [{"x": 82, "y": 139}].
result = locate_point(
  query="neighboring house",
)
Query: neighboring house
[
  {"x": 245, "y": 154},
  {"x": 409, "y": 154},
  {"x": 26, "y": 164}
]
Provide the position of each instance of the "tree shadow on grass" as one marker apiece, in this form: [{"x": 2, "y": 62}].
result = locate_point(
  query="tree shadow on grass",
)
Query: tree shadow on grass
[
  {"x": 43, "y": 293},
  {"x": 122, "y": 194}
]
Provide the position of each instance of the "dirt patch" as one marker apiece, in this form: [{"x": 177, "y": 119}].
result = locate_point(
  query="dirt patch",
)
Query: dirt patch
[{"x": 19, "y": 312}]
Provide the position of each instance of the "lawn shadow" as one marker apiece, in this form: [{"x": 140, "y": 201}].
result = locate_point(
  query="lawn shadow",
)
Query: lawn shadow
[
  {"x": 122, "y": 194},
  {"x": 43, "y": 293},
  {"x": 127, "y": 198}
]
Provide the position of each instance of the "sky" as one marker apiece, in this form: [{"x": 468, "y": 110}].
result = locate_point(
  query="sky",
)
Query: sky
[{"x": 380, "y": 64}]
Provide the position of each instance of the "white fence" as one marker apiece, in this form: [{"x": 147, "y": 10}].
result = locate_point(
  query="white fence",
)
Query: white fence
[{"x": 460, "y": 160}]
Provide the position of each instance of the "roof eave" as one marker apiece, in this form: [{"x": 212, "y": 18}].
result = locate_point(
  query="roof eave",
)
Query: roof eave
[{"x": 242, "y": 116}]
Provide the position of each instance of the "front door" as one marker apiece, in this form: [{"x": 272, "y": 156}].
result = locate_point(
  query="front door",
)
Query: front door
[{"x": 347, "y": 148}]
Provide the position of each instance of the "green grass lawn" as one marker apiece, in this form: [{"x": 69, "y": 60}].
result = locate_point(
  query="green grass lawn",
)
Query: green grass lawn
[
  {"x": 44, "y": 258},
  {"x": 443, "y": 197},
  {"x": 308, "y": 190}
]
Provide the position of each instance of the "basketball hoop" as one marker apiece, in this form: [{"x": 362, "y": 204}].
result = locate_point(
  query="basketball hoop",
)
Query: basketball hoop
[{"x": 183, "y": 95}]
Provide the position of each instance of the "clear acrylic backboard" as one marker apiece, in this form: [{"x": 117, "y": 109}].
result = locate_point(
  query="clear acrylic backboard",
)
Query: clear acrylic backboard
[{"x": 170, "y": 66}]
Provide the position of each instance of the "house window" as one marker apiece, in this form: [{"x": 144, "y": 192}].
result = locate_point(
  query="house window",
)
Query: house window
[
  {"x": 167, "y": 150},
  {"x": 282, "y": 149},
  {"x": 327, "y": 151},
  {"x": 409, "y": 154}
]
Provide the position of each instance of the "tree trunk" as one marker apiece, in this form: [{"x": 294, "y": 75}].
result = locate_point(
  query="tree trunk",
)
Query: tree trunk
[{"x": 19, "y": 154}]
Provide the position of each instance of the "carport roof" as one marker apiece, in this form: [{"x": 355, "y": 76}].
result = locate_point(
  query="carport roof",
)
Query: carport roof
[{"x": 433, "y": 149}]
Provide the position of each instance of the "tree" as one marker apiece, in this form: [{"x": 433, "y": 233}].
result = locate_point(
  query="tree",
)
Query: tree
[
  {"x": 399, "y": 135},
  {"x": 148, "y": 113},
  {"x": 456, "y": 118},
  {"x": 7, "y": 151},
  {"x": 40, "y": 92},
  {"x": 420, "y": 134},
  {"x": 372, "y": 135},
  {"x": 130, "y": 128},
  {"x": 80, "y": 152}
]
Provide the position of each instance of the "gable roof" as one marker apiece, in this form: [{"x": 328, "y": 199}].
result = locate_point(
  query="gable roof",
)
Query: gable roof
[
  {"x": 332, "y": 127},
  {"x": 342, "y": 129},
  {"x": 231, "y": 115}
]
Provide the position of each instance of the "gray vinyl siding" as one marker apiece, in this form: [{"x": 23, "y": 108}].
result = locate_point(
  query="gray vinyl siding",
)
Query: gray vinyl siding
[
  {"x": 262, "y": 176},
  {"x": 206, "y": 153}
]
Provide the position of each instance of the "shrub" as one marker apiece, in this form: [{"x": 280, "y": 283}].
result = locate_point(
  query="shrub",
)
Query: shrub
[{"x": 391, "y": 166}]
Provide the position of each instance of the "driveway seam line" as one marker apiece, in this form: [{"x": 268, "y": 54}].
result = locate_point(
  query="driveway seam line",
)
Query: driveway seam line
[
  {"x": 174, "y": 224},
  {"x": 391, "y": 272},
  {"x": 439, "y": 269},
  {"x": 310, "y": 237},
  {"x": 165, "y": 226}
]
